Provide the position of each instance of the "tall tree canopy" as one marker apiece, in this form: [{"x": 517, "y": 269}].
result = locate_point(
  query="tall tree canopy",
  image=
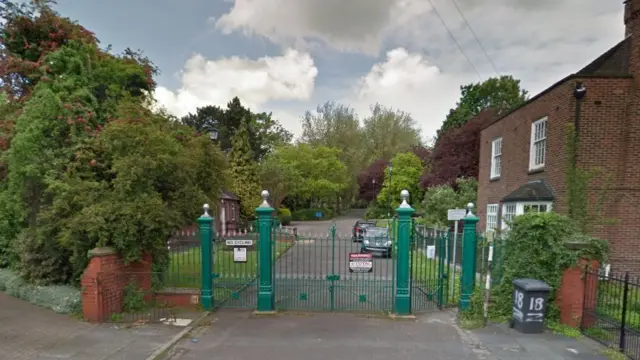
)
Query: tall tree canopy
[
  {"x": 244, "y": 172},
  {"x": 388, "y": 132},
  {"x": 264, "y": 132},
  {"x": 403, "y": 174},
  {"x": 499, "y": 93},
  {"x": 87, "y": 164}
]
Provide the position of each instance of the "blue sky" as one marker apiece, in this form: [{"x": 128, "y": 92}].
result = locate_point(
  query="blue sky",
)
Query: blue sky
[{"x": 287, "y": 56}]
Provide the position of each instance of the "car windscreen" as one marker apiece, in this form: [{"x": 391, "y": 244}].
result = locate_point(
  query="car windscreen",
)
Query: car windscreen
[{"x": 373, "y": 233}]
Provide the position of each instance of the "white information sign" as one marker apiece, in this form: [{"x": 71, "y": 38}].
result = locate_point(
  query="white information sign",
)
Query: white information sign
[
  {"x": 456, "y": 214},
  {"x": 240, "y": 254},
  {"x": 431, "y": 251},
  {"x": 360, "y": 263},
  {"x": 239, "y": 242}
]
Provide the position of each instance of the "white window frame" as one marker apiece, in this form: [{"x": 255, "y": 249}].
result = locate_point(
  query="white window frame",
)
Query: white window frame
[
  {"x": 492, "y": 217},
  {"x": 520, "y": 209},
  {"x": 538, "y": 145},
  {"x": 496, "y": 158},
  {"x": 508, "y": 215}
]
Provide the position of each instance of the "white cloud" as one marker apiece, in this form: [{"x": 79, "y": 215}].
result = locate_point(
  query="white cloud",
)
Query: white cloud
[
  {"x": 538, "y": 42},
  {"x": 409, "y": 82},
  {"x": 215, "y": 82}
]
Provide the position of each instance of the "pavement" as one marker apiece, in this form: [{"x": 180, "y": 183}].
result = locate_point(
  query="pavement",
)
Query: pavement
[
  {"x": 29, "y": 332},
  {"x": 241, "y": 335}
]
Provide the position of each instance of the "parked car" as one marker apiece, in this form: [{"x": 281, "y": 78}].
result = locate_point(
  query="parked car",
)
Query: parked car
[
  {"x": 377, "y": 241},
  {"x": 359, "y": 228}
]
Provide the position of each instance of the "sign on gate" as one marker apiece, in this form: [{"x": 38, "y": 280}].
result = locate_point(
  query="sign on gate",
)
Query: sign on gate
[
  {"x": 239, "y": 242},
  {"x": 360, "y": 263},
  {"x": 456, "y": 214},
  {"x": 240, "y": 254}
]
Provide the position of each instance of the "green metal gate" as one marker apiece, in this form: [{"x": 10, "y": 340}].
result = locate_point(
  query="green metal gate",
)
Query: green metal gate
[
  {"x": 235, "y": 272},
  {"x": 315, "y": 275},
  {"x": 429, "y": 267}
]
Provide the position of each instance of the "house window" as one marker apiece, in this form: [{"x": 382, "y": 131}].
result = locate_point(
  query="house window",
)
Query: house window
[
  {"x": 508, "y": 213},
  {"x": 513, "y": 209},
  {"x": 492, "y": 217},
  {"x": 496, "y": 155},
  {"x": 538, "y": 144}
]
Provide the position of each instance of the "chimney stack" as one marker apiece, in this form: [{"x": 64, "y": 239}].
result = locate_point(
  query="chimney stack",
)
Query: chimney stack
[{"x": 631, "y": 16}]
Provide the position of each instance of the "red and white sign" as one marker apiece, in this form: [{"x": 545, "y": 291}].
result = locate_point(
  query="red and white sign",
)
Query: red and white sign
[{"x": 360, "y": 263}]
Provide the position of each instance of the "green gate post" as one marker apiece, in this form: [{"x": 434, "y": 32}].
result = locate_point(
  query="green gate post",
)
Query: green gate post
[
  {"x": 468, "y": 277},
  {"x": 265, "y": 226},
  {"x": 403, "y": 293},
  {"x": 205, "y": 221}
]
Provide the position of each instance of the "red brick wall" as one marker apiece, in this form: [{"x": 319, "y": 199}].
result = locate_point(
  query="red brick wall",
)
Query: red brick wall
[
  {"x": 604, "y": 144},
  {"x": 104, "y": 279},
  {"x": 572, "y": 294}
]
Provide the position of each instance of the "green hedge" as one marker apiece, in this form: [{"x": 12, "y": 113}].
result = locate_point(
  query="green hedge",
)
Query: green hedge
[
  {"x": 310, "y": 214},
  {"x": 59, "y": 298},
  {"x": 284, "y": 215}
]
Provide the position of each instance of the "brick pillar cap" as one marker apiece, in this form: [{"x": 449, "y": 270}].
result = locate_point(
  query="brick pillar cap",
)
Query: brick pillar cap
[
  {"x": 101, "y": 251},
  {"x": 576, "y": 245}
]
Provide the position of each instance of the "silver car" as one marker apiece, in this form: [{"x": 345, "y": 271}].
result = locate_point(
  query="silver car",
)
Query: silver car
[{"x": 377, "y": 241}]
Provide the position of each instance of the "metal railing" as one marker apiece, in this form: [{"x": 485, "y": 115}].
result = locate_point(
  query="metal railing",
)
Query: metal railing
[{"x": 611, "y": 313}]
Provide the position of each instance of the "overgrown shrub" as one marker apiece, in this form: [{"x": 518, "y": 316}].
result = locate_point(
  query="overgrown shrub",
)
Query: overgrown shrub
[
  {"x": 59, "y": 298},
  {"x": 536, "y": 247},
  {"x": 310, "y": 214},
  {"x": 376, "y": 212},
  {"x": 284, "y": 215}
]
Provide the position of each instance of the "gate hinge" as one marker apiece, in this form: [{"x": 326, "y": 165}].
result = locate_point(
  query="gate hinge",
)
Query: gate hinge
[{"x": 333, "y": 277}]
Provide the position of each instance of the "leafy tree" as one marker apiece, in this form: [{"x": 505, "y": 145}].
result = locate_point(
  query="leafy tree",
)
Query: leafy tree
[
  {"x": 264, "y": 132},
  {"x": 439, "y": 199},
  {"x": 244, "y": 172},
  {"x": 389, "y": 132},
  {"x": 317, "y": 174},
  {"x": 405, "y": 174},
  {"x": 87, "y": 164},
  {"x": 280, "y": 175},
  {"x": 337, "y": 126},
  {"x": 499, "y": 93},
  {"x": 371, "y": 179},
  {"x": 456, "y": 154}
]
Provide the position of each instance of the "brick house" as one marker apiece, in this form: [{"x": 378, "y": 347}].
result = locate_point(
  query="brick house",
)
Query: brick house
[
  {"x": 522, "y": 154},
  {"x": 228, "y": 219}
]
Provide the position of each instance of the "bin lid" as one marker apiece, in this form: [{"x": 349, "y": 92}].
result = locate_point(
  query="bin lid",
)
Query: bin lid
[{"x": 531, "y": 285}]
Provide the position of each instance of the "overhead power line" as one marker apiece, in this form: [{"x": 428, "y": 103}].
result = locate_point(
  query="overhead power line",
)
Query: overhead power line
[
  {"x": 455, "y": 40},
  {"x": 493, "y": 66}
]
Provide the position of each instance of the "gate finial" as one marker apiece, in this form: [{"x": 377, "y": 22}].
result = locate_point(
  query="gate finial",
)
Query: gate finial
[
  {"x": 405, "y": 195},
  {"x": 265, "y": 196},
  {"x": 205, "y": 207},
  {"x": 470, "y": 210}
]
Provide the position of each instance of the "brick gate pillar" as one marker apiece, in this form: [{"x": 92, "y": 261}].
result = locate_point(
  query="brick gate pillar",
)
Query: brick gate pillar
[{"x": 403, "y": 293}]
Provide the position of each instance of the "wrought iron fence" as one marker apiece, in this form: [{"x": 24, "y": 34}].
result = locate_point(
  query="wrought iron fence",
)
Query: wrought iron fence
[{"x": 611, "y": 313}]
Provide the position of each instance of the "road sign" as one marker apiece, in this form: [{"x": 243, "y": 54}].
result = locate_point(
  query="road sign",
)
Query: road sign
[
  {"x": 456, "y": 214},
  {"x": 239, "y": 242},
  {"x": 360, "y": 263},
  {"x": 319, "y": 214}
]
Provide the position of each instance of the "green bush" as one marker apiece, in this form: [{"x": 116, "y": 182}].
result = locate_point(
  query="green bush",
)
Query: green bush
[
  {"x": 543, "y": 237},
  {"x": 377, "y": 212},
  {"x": 310, "y": 214},
  {"x": 59, "y": 298},
  {"x": 284, "y": 215}
]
